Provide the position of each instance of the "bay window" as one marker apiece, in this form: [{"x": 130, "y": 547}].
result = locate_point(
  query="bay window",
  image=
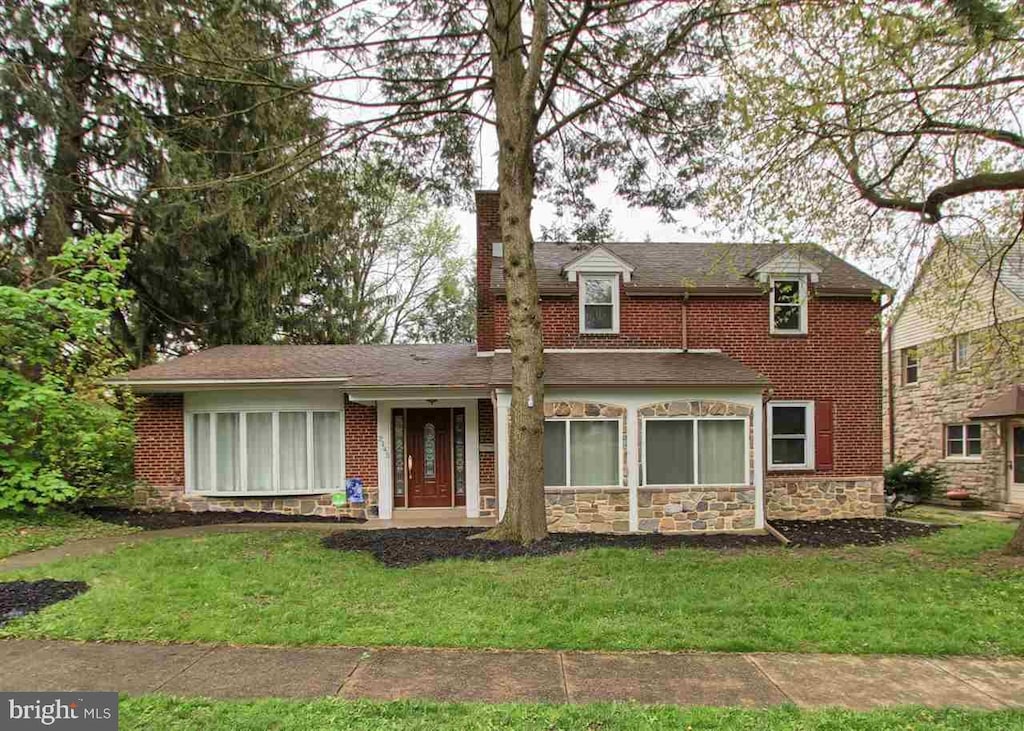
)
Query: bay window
[
  {"x": 790, "y": 435},
  {"x": 582, "y": 453},
  {"x": 695, "y": 451},
  {"x": 265, "y": 452}
]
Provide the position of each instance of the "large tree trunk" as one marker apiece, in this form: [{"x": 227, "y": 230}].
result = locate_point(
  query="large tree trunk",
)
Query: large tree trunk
[
  {"x": 65, "y": 181},
  {"x": 514, "y": 93},
  {"x": 1016, "y": 545}
]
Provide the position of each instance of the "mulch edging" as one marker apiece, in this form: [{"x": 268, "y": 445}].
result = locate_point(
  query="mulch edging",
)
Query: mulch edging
[
  {"x": 163, "y": 519},
  {"x": 18, "y": 598},
  {"x": 851, "y": 531},
  {"x": 402, "y": 547}
]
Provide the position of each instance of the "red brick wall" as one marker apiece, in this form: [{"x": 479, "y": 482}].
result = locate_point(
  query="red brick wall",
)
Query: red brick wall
[
  {"x": 644, "y": 322},
  {"x": 488, "y": 481},
  {"x": 488, "y": 231},
  {"x": 361, "y": 442},
  {"x": 840, "y": 358},
  {"x": 160, "y": 442}
]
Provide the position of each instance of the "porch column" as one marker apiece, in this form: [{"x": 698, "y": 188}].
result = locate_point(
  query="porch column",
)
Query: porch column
[
  {"x": 385, "y": 501},
  {"x": 633, "y": 467},
  {"x": 758, "y": 409},
  {"x": 501, "y": 449}
]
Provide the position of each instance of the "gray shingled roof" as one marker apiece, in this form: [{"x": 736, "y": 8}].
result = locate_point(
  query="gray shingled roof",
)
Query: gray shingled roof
[
  {"x": 587, "y": 368},
  {"x": 694, "y": 266},
  {"x": 440, "y": 365},
  {"x": 1008, "y": 266},
  {"x": 362, "y": 365}
]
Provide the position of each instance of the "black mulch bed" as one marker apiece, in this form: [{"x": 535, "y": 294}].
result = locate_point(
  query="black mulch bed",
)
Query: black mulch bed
[
  {"x": 18, "y": 598},
  {"x": 850, "y": 531},
  {"x": 160, "y": 519},
  {"x": 397, "y": 547}
]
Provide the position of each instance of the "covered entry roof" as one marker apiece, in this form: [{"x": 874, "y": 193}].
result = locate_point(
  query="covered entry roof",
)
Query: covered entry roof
[{"x": 1008, "y": 403}]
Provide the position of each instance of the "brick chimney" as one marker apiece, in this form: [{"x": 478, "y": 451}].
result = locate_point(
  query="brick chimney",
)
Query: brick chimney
[{"x": 488, "y": 233}]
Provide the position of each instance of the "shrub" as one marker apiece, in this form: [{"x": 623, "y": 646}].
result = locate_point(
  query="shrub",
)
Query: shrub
[
  {"x": 908, "y": 483},
  {"x": 62, "y": 433}
]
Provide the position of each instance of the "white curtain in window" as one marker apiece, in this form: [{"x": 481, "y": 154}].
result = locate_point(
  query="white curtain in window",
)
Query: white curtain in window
[
  {"x": 720, "y": 452},
  {"x": 594, "y": 453},
  {"x": 327, "y": 471},
  {"x": 259, "y": 452},
  {"x": 292, "y": 451},
  {"x": 201, "y": 452},
  {"x": 668, "y": 452},
  {"x": 554, "y": 454},
  {"x": 228, "y": 456}
]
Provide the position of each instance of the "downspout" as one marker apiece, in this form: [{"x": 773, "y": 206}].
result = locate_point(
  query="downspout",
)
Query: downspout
[{"x": 891, "y": 390}]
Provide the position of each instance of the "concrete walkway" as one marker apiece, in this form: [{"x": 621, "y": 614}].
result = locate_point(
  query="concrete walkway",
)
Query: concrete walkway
[{"x": 747, "y": 680}]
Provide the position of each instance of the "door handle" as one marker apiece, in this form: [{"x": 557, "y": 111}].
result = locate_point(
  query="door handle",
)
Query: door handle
[{"x": 408, "y": 464}]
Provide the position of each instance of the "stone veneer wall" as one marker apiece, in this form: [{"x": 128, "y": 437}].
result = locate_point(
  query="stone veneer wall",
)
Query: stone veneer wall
[
  {"x": 823, "y": 498},
  {"x": 945, "y": 396},
  {"x": 674, "y": 509}
]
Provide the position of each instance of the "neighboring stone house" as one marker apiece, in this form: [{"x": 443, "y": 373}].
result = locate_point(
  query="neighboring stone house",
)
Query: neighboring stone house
[
  {"x": 688, "y": 387},
  {"x": 952, "y": 353}
]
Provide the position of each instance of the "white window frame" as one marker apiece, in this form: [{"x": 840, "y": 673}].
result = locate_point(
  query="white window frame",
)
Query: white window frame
[
  {"x": 964, "y": 456},
  {"x": 961, "y": 362},
  {"x": 809, "y": 456},
  {"x": 746, "y": 482},
  {"x": 614, "y": 280},
  {"x": 568, "y": 452},
  {"x": 905, "y": 365},
  {"x": 802, "y": 294},
  {"x": 211, "y": 488}
]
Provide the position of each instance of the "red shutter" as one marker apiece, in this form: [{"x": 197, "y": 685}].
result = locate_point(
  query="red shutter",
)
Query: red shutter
[{"x": 823, "y": 434}]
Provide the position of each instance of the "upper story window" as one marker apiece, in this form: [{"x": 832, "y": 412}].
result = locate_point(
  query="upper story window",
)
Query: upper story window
[
  {"x": 788, "y": 305},
  {"x": 962, "y": 352},
  {"x": 599, "y": 303},
  {"x": 911, "y": 366}
]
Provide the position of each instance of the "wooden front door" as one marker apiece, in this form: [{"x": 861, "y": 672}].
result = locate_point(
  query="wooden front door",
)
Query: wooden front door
[{"x": 428, "y": 457}]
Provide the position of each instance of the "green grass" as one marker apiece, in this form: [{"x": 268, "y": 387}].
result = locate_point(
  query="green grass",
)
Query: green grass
[
  {"x": 30, "y": 531},
  {"x": 156, "y": 713},
  {"x": 950, "y": 593}
]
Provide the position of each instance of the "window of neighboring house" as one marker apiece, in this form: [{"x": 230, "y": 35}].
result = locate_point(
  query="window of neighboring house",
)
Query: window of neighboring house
[
  {"x": 790, "y": 435},
  {"x": 962, "y": 352},
  {"x": 789, "y": 305},
  {"x": 691, "y": 451},
  {"x": 963, "y": 440},
  {"x": 266, "y": 452},
  {"x": 582, "y": 453},
  {"x": 599, "y": 303},
  {"x": 911, "y": 365}
]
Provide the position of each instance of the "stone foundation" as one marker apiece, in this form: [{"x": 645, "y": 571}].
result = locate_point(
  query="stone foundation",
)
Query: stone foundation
[
  {"x": 688, "y": 509},
  {"x": 160, "y": 499},
  {"x": 661, "y": 510},
  {"x": 588, "y": 511},
  {"x": 822, "y": 498}
]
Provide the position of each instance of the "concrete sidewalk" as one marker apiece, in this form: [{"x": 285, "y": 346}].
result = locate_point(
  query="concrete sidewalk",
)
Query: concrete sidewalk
[{"x": 748, "y": 680}]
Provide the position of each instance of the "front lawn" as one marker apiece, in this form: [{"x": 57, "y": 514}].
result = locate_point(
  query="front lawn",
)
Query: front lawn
[
  {"x": 154, "y": 713},
  {"x": 30, "y": 531},
  {"x": 947, "y": 593}
]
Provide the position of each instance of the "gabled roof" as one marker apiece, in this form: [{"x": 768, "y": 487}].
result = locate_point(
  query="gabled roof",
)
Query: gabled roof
[
  {"x": 695, "y": 267},
  {"x": 788, "y": 262},
  {"x": 598, "y": 259}
]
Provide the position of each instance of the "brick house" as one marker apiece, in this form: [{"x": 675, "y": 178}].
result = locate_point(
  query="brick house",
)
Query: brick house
[
  {"x": 688, "y": 387},
  {"x": 953, "y": 386}
]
